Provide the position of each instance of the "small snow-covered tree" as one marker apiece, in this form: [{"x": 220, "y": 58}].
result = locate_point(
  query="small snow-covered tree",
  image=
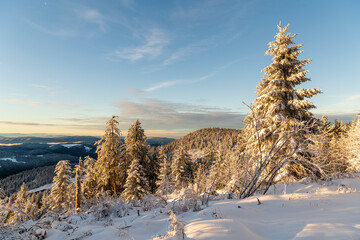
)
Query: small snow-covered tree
[
  {"x": 17, "y": 206},
  {"x": 89, "y": 186},
  {"x": 136, "y": 186},
  {"x": 219, "y": 171},
  {"x": 280, "y": 107},
  {"x": 352, "y": 145},
  {"x": 164, "y": 180},
  {"x": 110, "y": 166},
  {"x": 137, "y": 148},
  {"x": 329, "y": 149},
  {"x": 181, "y": 168},
  {"x": 30, "y": 208},
  {"x": 137, "y": 181},
  {"x": 61, "y": 192},
  {"x": 176, "y": 228},
  {"x": 21, "y": 196}
]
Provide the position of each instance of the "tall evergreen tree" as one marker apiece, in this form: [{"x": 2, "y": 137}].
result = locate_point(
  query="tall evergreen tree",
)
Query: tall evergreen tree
[
  {"x": 181, "y": 168},
  {"x": 352, "y": 145},
  {"x": 61, "y": 192},
  {"x": 89, "y": 186},
  {"x": 110, "y": 169},
  {"x": 136, "y": 186},
  {"x": 164, "y": 181},
  {"x": 218, "y": 170},
  {"x": 21, "y": 196},
  {"x": 279, "y": 106},
  {"x": 140, "y": 168},
  {"x": 18, "y": 206}
]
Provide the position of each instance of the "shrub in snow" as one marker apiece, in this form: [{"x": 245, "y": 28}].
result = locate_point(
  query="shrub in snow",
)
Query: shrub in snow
[
  {"x": 152, "y": 201},
  {"x": 176, "y": 228},
  {"x": 186, "y": 200},
  {"x": 108, "y": 208}
]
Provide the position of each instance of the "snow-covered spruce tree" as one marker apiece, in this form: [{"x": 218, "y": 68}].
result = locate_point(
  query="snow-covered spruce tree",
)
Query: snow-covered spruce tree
[
  {"x": 89, "y": 186},
  {"x": 280, "y": 107},
  {"x": 218, "y": 172},
  {"x": 30, "y": 208},
  {"x": 164, "y": 180},
  {"x": 328, "y": 148},
  {"x": 352, "y": 145},
  {"x": 137, "y": 181},
  {"x": 61, "y": 193},
  {"x": 110, "y": 166},
  {"x": 181, "y": 171},
  {"x": 136, "y": 186},
  {"x": 17, "y": 207}
]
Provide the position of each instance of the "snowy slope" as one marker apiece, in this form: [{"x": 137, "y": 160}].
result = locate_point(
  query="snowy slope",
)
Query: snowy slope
[{"x": 305, "y": 211}]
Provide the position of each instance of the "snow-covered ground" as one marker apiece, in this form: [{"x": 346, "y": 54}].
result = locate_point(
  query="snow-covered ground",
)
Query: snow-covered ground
[
  {"x": 326, "y": 210},
  {"x": 45, "y": 187},
  {"x": 13, "y": 159}
]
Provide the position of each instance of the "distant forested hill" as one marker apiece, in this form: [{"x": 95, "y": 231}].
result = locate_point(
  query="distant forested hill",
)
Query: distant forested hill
[
  {"x": 204, "y": 138},
  {"x": 33, "y": 178},
  {"x": 33, "y": 160}
]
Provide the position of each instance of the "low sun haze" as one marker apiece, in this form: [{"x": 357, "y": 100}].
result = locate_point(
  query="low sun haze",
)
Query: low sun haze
[{"x": 67, "y": 66}]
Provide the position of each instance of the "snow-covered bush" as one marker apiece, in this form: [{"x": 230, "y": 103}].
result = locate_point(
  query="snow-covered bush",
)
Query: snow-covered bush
[
  {"x": 152, "y": 201},
  {"x": 186, "y": 200},
  {"x": 176, "y": 228}
]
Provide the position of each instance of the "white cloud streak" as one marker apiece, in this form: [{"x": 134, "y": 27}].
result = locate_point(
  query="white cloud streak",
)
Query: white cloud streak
[
  {"x": 92, "y": 16},
  {"x": 189, "y": 81},
  {"x": 59, "y": 32},
  {"x": 19, "y": 101},
  {"x": 177, "y": 82},
  {"x": 154, "y": 42},
  {"x": 157, "y": 114}
]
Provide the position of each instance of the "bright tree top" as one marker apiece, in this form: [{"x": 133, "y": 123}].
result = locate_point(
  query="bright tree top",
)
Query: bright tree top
[{"x": 276, "y": 96}]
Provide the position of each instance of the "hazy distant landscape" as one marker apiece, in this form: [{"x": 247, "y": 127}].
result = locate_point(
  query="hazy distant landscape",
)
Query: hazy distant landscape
[{"x": 24, "y": 153}]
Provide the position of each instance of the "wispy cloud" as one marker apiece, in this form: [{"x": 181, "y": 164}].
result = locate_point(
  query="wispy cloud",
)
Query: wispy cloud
[
  {"x": 91, "y": 16},
  {"x": 177, "y": 82},
  {"x": 347, "y": 105},
  {"x": 183, "y": 52},
  {"x": 22, "y": 102},
  {"x": 128, "y": 4},
  {"x": 154, "y": 42},
  {"x": 44, "y": 87},
  {"x": 189, "y": 81},
  {"x": 60, "y": 32},
  {"x": 157, "y": 114}
]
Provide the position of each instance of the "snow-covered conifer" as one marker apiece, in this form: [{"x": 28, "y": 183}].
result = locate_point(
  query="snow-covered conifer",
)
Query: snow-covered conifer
[
  {"x": 137, "y": 148},
  {"x": 279, "y": 106},
  {"x": 218, "y": 170},
  {"x": 136, "y": 186},
  {"x": 18, "y": 206},
  {"x": 181, "y": 168},
  {"x": 164, "y": 181},
  {"x": 110, "y": 167},
  {"x": 137, "y": 181},
  {"x": 89, "y": 186},
  {"x": 61, "y": 192},
  {"x": 21, "y": 196},
  {"x": 352, "y": 145}
]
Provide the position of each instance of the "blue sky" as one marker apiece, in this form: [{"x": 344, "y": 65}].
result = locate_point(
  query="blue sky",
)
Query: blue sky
[{"x": 177, "y": 66}]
